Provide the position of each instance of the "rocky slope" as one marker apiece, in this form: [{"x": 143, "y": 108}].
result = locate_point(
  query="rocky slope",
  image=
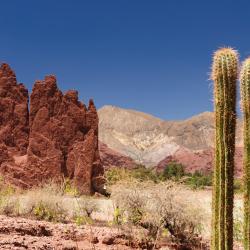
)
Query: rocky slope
[
  {"x": 112, "y": 158},
  {"x": 55, "y": 137},
  {"x": 154, "y": 142}
]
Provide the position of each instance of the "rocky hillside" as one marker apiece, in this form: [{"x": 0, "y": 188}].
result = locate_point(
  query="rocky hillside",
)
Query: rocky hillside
[{"x": 151, "y": 141}]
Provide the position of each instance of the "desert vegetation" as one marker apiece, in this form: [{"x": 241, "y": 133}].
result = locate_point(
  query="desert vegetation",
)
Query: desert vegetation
[
  {"x": 161, "y": 209},
  {"x": 160, "y": 212},
  {"x": 172, "y": 172}
]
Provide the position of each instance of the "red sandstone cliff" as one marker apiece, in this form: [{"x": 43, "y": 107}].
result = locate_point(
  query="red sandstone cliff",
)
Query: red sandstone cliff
[{"x": 57, "y": 138}]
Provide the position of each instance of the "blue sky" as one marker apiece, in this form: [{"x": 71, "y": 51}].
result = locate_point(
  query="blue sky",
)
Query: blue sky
[{"x": 152, "y": 56}]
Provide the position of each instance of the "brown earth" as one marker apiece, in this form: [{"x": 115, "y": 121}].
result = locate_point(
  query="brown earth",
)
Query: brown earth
[
  {"x": 20, "y": 234},
  {"x": 57, "y": 138}
]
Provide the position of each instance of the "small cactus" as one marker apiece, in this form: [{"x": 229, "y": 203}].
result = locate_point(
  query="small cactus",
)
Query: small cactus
[
  {"x": 245, "y": 104},
  {"x": 224, "y": 75}
]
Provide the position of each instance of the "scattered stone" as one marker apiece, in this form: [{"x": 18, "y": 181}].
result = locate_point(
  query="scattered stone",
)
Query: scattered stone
[
  {"x": 108, "y": 240},
  {"x": 94, "y": 240}
]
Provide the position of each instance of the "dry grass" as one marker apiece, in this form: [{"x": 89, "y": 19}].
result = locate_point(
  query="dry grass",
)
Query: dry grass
[
  {"x": 47, "y": 203},
  {"x": 164, "y": 208}
]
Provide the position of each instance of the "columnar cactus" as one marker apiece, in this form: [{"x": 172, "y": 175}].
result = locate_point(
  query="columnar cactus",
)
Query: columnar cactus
[
  {"x": 224, "y": 75},
  {"x": 245, "y": 104}
]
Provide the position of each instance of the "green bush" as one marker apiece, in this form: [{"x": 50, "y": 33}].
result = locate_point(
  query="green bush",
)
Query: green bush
[
  {"x": 198, "y": 180},
  {"x": 173, "y": 171}
]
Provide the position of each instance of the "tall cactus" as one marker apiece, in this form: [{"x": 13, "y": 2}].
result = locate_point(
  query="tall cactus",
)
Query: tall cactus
[
  {"x": 224, "y": 75},
  {"x": 245, "y": 104}
]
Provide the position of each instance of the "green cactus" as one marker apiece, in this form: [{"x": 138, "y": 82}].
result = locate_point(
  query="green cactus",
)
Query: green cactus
[
  {"x": 245, "y": 104},
  {"x": 224, "y": 75}
]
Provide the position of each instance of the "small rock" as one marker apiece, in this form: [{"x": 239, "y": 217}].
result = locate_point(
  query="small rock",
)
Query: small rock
[
  {"x": 109, "y": 240},
  {"x": 94, "y": 240}
]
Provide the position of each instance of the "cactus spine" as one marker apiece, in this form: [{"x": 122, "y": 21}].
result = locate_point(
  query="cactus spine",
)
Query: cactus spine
[
  {"x": 245, "y": 104},
  {"x": 224, "y": 75}
]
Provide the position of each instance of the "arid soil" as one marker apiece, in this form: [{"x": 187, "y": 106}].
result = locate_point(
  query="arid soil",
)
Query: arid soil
[{"x": 20, "y": 233}]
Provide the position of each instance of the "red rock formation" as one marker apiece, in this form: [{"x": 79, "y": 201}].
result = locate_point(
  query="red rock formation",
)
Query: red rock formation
[
  {"x": 61, "y": 138},
  {"x": 14, "y": 128}
]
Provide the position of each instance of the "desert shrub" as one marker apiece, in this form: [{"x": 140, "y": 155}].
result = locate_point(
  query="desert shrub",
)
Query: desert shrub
[
  {"x": 198, "y": 180},
  {"x": 85, "y": 207},
  {"x": 9, "y": 206},
  {"x": 133, "y": 201},
  {"x": 173, "y": 171},
  {"x": 114, "y": 175},
  {"x": 176, "y": 213},
  {"x": 45, "y": 203},
  {"x": 140, "y": 173},
  {"x": 69, "y": 189},
  {"x": 159, "y": 207},
  {"x": 49, "y": 211}
]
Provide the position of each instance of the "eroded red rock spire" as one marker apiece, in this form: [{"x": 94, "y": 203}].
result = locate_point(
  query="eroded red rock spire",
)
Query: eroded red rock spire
[{"x": 57, "y": 138}]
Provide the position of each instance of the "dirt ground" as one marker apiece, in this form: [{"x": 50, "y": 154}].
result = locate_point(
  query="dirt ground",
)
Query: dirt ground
[{"x": 20, "y": 233}]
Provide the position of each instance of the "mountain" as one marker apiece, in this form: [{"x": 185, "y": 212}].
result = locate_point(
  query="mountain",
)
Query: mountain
[{"x": 154, "y": 142}]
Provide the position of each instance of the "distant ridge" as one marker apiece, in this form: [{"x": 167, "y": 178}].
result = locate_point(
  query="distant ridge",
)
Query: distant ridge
[{"x": 149, "y": 140}]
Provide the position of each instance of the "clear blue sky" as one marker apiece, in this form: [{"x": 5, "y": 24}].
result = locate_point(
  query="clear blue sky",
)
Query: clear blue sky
[{"x": 153, "y": 56}]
